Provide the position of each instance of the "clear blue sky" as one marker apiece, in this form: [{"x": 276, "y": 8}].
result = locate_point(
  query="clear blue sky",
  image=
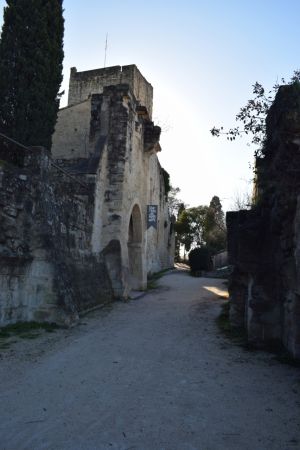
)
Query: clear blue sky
[{"x": 202, "y": 58}]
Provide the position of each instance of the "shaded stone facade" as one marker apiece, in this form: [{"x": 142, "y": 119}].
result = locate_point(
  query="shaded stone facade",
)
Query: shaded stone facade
[
  {"x": 264, "y": 242},
  {"x": 47, "y": 271},
  {"x": 70, "y": 243}
]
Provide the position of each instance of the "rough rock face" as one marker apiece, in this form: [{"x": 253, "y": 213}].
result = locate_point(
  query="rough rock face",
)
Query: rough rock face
[
  {"x": 47, "y": 271},
  {"x": 264, "y": 243}
]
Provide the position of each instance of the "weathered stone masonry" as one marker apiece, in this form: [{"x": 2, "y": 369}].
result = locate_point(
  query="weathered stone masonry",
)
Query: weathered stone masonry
[
  {"x": 121, "y": 153},
  {"x": 67, "y": 246},
  {"x": 47, "y": 271},
  {"x": 264, "y": 243},
  {"x": 84, "y": 84}
]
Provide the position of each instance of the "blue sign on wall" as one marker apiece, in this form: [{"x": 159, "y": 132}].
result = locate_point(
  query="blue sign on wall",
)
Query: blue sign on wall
[{"x": 151, "y": 216}]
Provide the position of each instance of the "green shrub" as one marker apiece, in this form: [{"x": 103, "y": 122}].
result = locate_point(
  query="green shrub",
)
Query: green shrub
[{"x": 200, "y": 259}]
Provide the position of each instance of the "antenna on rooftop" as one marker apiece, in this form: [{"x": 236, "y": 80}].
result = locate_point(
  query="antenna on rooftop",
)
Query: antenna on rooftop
[{"x": 105, "y": 52}]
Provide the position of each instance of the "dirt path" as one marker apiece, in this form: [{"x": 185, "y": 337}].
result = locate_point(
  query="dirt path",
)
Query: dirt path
[{"x": 154, "y": 373}]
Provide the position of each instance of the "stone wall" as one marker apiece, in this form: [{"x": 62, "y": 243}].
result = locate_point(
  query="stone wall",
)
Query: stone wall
[
  {"x": 47, "y": 270},
  {"x": 84, "y": 84},
  {"x": 220, "y": 259},
  {"x": 129, "y": 176},
  {"x": 71, "y": 137},
  {"x": 123, "y": 145},
  {"x": 264, "y": 243},
  {"x": 73, "y": 229},
  {"x": 160, "y": 241}
]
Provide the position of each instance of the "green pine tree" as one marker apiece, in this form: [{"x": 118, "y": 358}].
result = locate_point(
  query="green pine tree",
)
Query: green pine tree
[{"x": 31, "y": 56}]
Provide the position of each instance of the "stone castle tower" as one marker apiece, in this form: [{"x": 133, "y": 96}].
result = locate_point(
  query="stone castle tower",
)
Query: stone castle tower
[
  {"x": 90, "y": 222},
  {"x": 106, "y": 132}
]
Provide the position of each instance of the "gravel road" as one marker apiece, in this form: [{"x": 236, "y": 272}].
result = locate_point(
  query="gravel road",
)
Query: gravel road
[{"x": 154, "y": 373}]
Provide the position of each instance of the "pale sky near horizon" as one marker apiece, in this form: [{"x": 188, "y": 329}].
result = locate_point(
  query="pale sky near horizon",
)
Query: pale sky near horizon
[{"x": 202, "y": 59}]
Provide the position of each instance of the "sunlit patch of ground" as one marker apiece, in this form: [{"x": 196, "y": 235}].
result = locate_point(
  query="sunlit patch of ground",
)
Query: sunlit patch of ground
[
  {"x": 181, "y": 266},
  {"x": 222, "y": 293}
]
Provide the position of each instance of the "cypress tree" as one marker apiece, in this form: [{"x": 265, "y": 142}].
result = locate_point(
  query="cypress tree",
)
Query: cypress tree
[{"x": 31, "y": 56}]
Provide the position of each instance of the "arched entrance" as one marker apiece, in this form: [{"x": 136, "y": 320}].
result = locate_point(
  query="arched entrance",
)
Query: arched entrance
[{"x": 135, "y": 249}]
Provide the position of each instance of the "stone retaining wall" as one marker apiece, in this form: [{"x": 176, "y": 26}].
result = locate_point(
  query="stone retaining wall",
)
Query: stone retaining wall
[
  {"x": 264, "y": 242},
  {"x": 47, "y": 271}
]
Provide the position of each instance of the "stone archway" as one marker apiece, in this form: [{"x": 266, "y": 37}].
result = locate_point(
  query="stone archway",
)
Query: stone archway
[{"x": 135, "y": 250}]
